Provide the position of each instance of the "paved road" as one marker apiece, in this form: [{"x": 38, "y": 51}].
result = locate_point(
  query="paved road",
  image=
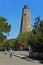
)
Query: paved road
[{"x": 6, "y": 60}]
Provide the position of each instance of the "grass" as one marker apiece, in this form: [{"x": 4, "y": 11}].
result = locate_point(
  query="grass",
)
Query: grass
[{"x": 23, "y": 54}]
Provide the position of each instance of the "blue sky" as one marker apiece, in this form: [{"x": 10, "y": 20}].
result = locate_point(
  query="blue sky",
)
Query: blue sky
[{"x": 12, "y": 11}]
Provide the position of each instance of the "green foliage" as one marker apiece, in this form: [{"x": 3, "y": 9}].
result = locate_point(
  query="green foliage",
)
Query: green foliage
[
  {"x": 36, "y": 38},
  {"x": 4, "y": 28},
  {"x": 23, "y": 38},
  {"x": 2, "y": 37},
  {"x": 9, "y": 44},
  {"x": 37, "y": 22}
]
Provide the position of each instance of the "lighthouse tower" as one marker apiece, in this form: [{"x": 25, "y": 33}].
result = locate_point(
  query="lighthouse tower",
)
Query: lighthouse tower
[{"x": 25, "y": 20}]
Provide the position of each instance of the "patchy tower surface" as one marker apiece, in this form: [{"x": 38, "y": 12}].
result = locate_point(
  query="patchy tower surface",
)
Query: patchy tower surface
[{"x": 25, "y": 20}]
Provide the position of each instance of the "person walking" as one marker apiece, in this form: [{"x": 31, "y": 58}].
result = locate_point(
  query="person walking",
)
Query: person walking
[
  {"x": 5, "y": 52},
  {"x": 10, "y": 53}
]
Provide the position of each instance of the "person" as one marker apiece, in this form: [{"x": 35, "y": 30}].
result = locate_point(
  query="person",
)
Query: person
[
  {"x": 5, "y": 52},
  {"x": 10, "y": 53}
]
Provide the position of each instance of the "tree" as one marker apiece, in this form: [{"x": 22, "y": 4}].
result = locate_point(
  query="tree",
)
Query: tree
[
  {"x": 37, "y": 22},
  {"x": 4, "y": 26},
  {"x": 4, "y": 30},
  {"x": 36, "y": 38},
  {"x": 11, "y": 43},
  {"x": 22, "y": 40}
]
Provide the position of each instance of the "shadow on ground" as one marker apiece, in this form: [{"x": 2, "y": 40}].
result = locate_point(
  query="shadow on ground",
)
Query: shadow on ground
[{"x": 40, "y": 59}]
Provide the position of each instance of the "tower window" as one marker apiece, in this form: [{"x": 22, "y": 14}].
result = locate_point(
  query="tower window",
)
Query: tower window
[{"x": 24, "y": 14}]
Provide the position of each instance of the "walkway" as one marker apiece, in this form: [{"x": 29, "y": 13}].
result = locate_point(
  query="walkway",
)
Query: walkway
[{"x": 6, "y": 60}]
